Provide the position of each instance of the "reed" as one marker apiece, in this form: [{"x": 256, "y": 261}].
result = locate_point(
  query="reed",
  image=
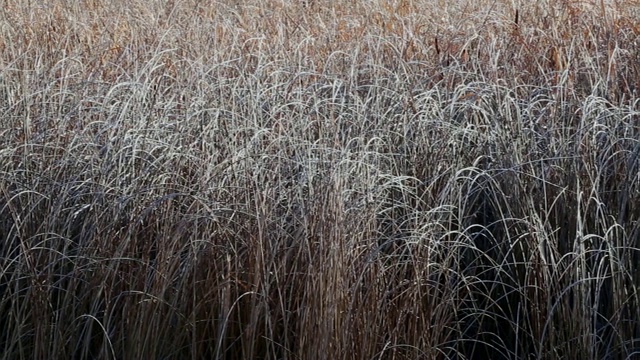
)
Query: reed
[{"x": 319, "y": 180}]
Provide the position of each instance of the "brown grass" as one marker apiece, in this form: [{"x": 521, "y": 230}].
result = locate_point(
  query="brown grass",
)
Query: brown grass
[{"x": 319, "y": 180}]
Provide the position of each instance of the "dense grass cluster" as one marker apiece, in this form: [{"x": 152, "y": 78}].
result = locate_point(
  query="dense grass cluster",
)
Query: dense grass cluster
[{"x": 268, "y": 179}]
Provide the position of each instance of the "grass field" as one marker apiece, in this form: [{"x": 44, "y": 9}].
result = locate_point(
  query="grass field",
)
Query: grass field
[{"x": 267, "y": 179}]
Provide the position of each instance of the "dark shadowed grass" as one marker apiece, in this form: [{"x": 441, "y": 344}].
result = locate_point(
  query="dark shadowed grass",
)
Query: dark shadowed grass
[{"x": 392, "y": 180}]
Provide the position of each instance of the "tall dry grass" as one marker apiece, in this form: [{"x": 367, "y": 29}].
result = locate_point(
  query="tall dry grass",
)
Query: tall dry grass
[{"x": 319, "y": 180}]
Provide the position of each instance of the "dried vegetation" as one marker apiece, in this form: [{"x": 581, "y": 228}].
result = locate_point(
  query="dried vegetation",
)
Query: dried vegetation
[{"x": 319, "y": 179}]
